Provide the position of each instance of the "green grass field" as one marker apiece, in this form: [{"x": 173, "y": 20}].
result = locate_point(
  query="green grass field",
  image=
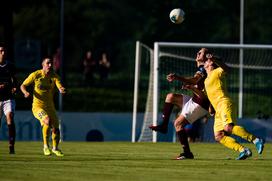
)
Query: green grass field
[{"x": 132, "y": 161}]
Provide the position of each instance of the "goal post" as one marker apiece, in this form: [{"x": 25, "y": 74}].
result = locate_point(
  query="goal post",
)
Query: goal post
[
  {"x": 249, "y": 82},
  {"x": 136, "y": 88},
  {"x": 143, "y": 87}
]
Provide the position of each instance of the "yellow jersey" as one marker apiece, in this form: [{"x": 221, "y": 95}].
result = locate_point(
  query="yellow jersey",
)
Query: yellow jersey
[
  {"x": 44, "y": 87},
  {"x": 216, "y": 89}
]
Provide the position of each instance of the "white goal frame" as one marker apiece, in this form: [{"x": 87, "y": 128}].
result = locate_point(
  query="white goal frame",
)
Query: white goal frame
[{"x": 157, "y": 54}]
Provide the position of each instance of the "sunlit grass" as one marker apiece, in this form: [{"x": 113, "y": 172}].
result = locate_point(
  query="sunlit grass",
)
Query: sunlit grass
[{"x": 132, "y": 161}]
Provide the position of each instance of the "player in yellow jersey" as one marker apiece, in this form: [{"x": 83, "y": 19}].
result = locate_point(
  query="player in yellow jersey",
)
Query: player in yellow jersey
[
  {"x": 225, "y": 117},
  {"x": 43, "y": 108}
]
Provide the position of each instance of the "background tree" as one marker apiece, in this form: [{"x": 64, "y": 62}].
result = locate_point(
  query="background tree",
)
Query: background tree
[{"x": 114, "y": 26}]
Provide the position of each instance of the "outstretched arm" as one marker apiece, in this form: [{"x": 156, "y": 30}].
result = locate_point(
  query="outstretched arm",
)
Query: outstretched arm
[
  {"x": 198, "y": 92},
  {"x": 188, "y": 80}
]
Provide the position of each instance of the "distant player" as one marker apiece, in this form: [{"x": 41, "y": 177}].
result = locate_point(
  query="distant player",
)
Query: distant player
[
  {"x": 43, "y": 108},
  {"x": 225, "y": 117},
  {"x": 8, "y": 84},
  {"x": 192, "y": 108}
]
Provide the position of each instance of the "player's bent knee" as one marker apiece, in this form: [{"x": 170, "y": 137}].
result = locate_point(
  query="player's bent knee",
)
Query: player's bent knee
[
  {"x": 218, "y": 136},
  {"x": 228, "y": 128},
  {"x": 180, "y": 124},
  {"x": 178, "y": 128}
]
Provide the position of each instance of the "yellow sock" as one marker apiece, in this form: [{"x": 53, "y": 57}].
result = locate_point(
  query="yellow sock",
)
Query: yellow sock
[
  {"x": 231, "y": 143},
  {"x": 241, "y": 132},
  {"x": 55, "y": 138},
  {"x": 45, "y": 132}
]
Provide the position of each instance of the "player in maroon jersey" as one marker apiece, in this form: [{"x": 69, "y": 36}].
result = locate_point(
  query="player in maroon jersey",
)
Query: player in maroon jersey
[
  {"x": 192, "y": 108},
  {"x": 8, "y": 85}
]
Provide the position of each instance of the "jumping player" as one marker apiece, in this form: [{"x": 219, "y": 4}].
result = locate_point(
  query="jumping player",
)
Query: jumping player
[{"x": 193, "y": 108}]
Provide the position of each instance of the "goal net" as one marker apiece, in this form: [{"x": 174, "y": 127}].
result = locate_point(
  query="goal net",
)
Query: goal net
[{"x": 249, "y": 82}]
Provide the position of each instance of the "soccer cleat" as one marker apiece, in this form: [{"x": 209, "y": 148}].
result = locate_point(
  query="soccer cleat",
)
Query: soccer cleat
[
  {"x": 159, "y": 128},
  {"x": 46, "y": 151},
  {"x": 11, "y": 150},
  {"x": 184, "y": 156},
  {"x": 244, "y": 154},
  {"x": 260, "y": 145},
  {"x": 58, "y": 153}
]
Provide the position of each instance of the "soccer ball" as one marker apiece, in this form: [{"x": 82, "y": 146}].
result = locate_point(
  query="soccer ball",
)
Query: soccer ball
[{"x": 177, "y": 15}]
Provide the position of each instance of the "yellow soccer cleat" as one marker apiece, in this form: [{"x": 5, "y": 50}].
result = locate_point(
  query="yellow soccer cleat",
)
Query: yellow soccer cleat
[
  {"x": 58, "y": 153},
  {"x": 46, "y": 151}
]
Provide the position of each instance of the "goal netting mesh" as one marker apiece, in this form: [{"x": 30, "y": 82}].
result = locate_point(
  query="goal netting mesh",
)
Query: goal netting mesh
[{"x": 249, "y": 82}]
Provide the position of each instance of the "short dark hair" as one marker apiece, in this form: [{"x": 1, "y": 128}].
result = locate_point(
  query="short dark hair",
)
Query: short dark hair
[
  {"x": 2, "y": 45},
  {"x": 47, "y": 56},
  {"x": 207, "y": 51}
]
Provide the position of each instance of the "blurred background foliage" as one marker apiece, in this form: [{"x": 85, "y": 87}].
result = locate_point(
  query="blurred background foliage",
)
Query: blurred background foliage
[{"x": 114, "y": 27}]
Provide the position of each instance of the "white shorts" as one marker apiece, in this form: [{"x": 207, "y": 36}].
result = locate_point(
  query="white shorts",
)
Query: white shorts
[
  {"x": 7, "y": 106},
  {"x": 185, "y": 98},
  {"x": 193, "y": 111}
]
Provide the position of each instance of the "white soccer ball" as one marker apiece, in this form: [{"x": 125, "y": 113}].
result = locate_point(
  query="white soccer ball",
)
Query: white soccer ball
[{"x": 177, "y": 15}]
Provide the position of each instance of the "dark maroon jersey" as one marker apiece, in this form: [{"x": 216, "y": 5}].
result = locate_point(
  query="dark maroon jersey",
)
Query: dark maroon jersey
[
  {"x": 7, "y": 77},
  {"x": 202, "y": 101}
]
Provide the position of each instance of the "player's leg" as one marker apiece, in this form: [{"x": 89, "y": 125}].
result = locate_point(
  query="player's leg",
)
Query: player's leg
[
  {"x": 182, "y": 136},
  {"x": 9, "y": 108},
  {"x": 46, "y": 135},
  {"x": 43, "y": 117},
  {"x": 227, "y": 141},
  {"x": 241, "y": 132},
  {"x": 222, "y": 122},
  {"x": 233, "y": 128},
  {"x": 55, "y": 133},
  {"x": 11, "y": 131},
  {"x": 171, "y": 100},
  {"x": 1, "y": 112},
  {"x": 55, "y": 138},
  {"x": 190, "y": 113}
]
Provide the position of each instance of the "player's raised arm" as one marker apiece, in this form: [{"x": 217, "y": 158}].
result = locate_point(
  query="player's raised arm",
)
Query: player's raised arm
[{"x": 218, "y": 61}]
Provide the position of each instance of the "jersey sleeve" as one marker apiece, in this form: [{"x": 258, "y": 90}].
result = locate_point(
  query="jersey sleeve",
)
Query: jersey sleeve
[
  {"x": 30, "y": 79},
  {"x": 57, "y": 81}
]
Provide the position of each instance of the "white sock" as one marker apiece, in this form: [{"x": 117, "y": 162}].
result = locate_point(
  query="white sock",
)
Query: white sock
[{"x": 256, "y": 140}]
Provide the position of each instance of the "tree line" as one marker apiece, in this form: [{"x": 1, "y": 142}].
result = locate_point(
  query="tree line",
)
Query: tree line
[{"x": 115, "y": 26}]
